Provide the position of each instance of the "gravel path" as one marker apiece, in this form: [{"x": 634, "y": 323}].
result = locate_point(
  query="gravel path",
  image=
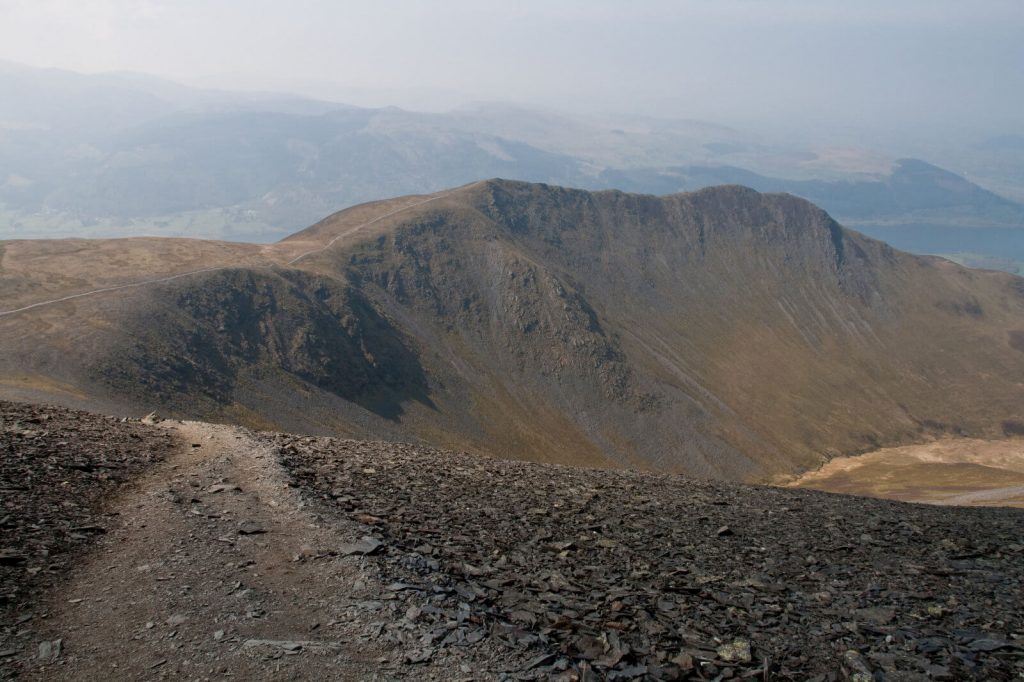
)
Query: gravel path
[
  {"x": 58, "y": 469},
  {"x": 214, "y": 569},
  {"x": 1013, "y": 495}
]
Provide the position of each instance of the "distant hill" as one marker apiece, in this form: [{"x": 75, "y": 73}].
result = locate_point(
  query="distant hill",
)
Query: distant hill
[
  {"x": 286, "y": 169},
  {"x": 914, "y": 192},
  {"x": 129, "y": 154},
  {"x": 917, "y": 207},
  {"x": 720, "y": 333},
  {"x": 124, "y": 154}
]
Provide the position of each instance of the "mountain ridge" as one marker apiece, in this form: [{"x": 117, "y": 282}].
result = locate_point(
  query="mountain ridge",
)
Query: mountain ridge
[
  {"x": 913, "y": 190},
  {"x": 721, "y": 333}
]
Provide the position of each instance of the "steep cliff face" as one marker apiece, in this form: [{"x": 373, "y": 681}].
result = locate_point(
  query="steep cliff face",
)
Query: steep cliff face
[{"x": 719, "y": 333}]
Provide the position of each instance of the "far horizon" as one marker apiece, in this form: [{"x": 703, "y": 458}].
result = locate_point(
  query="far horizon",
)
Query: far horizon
[
  {"x": 831, "y": 67},
  {"x": 312, "y": 108}
]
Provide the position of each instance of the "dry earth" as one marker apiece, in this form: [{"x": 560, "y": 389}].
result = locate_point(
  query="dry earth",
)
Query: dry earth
[
  {"x": 954, "y": 471},
  {"x": 269, "y": 556}
]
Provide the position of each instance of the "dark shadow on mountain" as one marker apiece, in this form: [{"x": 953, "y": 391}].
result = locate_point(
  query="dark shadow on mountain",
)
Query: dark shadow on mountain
[{"x": 200, "y": 339}]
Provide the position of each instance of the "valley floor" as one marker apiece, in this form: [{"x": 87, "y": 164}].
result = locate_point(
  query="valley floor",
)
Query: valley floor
[
  {"x": 954, "y": 471},
  {"x": 216, "y": 552}
]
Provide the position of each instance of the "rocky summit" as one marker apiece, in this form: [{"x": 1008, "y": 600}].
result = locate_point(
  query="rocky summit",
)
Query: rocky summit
[{"x": 226, "y": 552}]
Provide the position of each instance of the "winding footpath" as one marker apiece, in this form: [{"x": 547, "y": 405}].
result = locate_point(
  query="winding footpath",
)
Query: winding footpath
[{"x": 216, "y": 568}]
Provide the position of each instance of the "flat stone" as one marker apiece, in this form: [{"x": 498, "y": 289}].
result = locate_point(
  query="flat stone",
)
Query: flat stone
[
  {"x": 292, "y": 645},
  {"x": 737, "y": 651},
  {"x": 366, "y": 545}
]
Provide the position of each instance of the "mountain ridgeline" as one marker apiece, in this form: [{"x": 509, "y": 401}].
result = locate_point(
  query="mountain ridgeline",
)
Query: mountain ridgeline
[{"x": 721, "y": 333}]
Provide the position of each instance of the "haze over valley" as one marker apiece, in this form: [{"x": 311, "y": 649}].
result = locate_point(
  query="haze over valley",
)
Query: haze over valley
[{"x": 127, "y": 155}]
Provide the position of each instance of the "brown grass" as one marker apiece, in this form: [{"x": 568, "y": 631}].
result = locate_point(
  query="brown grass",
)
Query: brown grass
[{"x": 963, "y": 471}]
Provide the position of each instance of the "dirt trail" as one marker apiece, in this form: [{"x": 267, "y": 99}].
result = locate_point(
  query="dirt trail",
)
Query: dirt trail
[{"x": 217, "y": 569}]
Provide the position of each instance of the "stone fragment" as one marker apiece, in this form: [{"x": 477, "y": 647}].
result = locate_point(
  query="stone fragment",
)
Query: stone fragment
[
  {"x": 989, "y": 644},
  {"x": 293, "y": 646},
  {"x": 856, "y": 664},
  {"x": 737, "y": 651},
  {"x": 49, "y": 651},
  {"x": 365, "y": 545}
]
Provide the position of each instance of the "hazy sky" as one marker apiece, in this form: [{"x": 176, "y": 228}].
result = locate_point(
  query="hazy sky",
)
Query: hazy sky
[{"x": 932, "y": 64}]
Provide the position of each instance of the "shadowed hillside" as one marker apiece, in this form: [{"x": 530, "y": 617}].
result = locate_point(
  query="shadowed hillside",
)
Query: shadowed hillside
[{"x": 719, "y": 333}]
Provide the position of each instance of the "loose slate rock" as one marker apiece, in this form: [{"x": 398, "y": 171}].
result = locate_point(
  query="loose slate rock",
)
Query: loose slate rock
[
  {"x": 293, "y": 646},
  {"x": 58, "y": 469},
  {"x": 50, "y": 651},
  {"x": 419, "y": 655},
  {"x": 610, "y": 575},
  {"x": 735, "y": 652},
  {"x": 366, "y": 545}
]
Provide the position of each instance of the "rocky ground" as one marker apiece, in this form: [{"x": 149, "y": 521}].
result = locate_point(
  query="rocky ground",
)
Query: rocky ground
[
  {"x": 269, "y": 556},
  {"x": 596, "y": 574},
  {"x": 211, "y": 568},
  {"x": 58, "y": 468}
]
